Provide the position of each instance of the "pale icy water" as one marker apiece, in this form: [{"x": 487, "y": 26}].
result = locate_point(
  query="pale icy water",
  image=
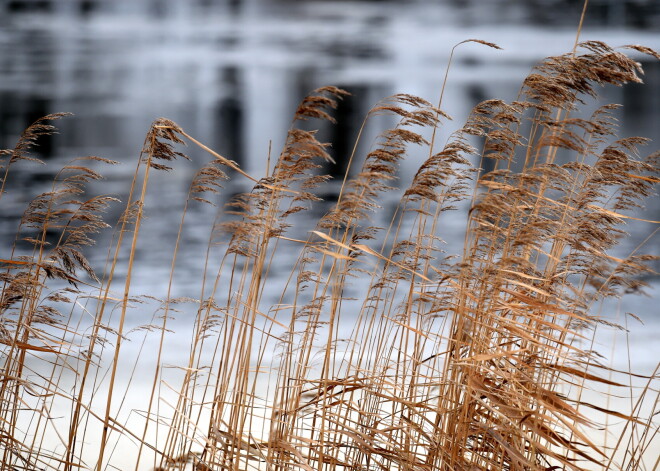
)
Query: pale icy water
[
  {"x": 231, "y": 73},
  {"x": 231, "y": 76}
]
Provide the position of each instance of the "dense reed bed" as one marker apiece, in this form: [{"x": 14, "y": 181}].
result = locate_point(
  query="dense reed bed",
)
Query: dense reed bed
[{"x": 381, "y": 350}]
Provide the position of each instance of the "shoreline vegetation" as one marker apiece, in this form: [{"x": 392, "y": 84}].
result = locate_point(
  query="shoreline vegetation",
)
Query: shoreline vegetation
[{"x": 478, "y": 360}]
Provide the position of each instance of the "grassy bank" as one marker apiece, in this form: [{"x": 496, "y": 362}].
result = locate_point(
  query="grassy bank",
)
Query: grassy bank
[{"x": 481, "y": 359}]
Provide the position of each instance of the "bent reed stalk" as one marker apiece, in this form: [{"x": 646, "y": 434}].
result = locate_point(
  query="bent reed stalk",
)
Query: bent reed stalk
[{"x": 479, "y": 360}]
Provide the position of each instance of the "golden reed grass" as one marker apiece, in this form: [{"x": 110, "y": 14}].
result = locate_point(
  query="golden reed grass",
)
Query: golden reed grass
[{"x": 479, "y": 360}]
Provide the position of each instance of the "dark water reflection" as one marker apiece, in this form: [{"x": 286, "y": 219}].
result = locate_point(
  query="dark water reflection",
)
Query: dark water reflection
[{"x": 232, "y": 72}]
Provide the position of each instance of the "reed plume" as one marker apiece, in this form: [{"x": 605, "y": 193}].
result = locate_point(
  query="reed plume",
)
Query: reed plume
[{"x": 378, "y": 348}]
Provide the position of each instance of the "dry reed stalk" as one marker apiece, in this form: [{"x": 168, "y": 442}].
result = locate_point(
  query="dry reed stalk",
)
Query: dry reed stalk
[{"x": 474, "y": 360}]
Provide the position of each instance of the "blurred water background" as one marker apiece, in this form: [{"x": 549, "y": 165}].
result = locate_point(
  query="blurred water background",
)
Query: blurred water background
[{"x": 231, "y": 73}]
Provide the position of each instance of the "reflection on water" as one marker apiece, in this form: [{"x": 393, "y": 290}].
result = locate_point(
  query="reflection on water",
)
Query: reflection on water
[{"x": 232, "y": 72}]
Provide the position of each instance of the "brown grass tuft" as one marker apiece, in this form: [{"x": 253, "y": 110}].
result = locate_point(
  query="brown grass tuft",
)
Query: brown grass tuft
[{"x": 481, "y": 359}]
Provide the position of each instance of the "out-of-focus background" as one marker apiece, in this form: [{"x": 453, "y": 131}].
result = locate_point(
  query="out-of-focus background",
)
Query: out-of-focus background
[{"x": 231, "y": 73}]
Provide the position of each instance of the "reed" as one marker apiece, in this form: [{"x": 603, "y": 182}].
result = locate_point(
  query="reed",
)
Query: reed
[{"x": 379, "y": 349}]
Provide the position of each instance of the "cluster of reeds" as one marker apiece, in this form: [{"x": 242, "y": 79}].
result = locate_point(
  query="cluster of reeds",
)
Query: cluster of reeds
[{"x": 455, "y": 361}]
